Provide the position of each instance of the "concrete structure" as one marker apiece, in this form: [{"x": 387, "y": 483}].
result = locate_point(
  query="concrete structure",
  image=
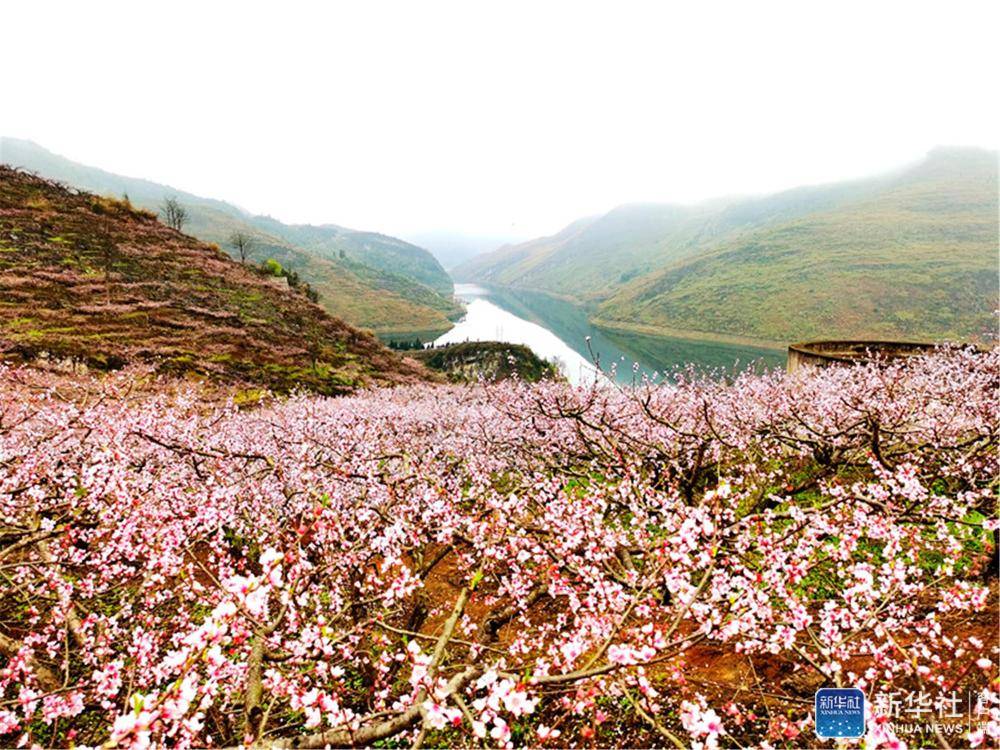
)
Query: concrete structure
[
  {"x": 826, "y": 353},
  {"x": 278, "y": 281}
]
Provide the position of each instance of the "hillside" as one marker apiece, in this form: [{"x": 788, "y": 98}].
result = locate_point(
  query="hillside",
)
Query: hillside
[
  {"x": 381, "y": 252},
  {"x": 370, "y": 280},
  {"x": 470, "y": 361},
  {"x": 916, "y": 259},
  {"x": 911, "y": 254},
  {"x": 93, "y": 279}
]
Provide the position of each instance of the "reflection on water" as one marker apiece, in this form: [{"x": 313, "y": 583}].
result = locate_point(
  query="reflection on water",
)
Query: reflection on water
[
  {"x": 485, "y": 321},
  {"x": 558, "y": 330}
]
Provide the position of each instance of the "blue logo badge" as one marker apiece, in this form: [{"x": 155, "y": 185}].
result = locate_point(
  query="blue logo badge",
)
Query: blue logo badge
[{"x": 840, "y": 713}]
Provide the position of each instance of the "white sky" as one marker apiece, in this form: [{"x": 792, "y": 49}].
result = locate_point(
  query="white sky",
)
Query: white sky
[{"x": 494, "y": 118}]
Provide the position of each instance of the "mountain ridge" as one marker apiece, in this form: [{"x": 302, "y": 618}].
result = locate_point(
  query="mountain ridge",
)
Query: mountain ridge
[
  {"x": 405, "y": 291},
  {"x": 701, "y": 269},
  {"x": 92, "y": 279}
]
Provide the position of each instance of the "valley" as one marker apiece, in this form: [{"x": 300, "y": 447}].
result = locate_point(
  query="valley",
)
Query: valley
[
  {"x": 499, "y": 376},
  {"x": 560, "y": 331},
  {"x": 906, "y": 255}
]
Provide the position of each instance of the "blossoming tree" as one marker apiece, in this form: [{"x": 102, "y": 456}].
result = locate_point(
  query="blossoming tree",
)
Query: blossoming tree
[{"x": 504, "y": 564}]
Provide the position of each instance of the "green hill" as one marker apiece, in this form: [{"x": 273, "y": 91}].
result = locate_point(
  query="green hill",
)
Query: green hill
[
  {"x": 911, "y": 254},
  {"x": 381, "y": 252},
  {"x": 468, "y": 361},
  {"x": 370, "y": 280},
  {"x": 94, "y": 280}
]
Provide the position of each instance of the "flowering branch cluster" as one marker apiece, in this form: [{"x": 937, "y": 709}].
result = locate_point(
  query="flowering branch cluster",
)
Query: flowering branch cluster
[{"x": 506, "y": 564}]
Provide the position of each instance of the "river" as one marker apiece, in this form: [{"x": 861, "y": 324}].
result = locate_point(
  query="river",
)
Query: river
[{"x": 559, "y": 331}]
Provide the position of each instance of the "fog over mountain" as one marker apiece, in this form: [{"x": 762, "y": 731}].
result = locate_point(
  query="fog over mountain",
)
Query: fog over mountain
[
  {"x": 454, "y": 248},
  {"x": 910, "y": 253},
  {"x": 496, "y": 119}
]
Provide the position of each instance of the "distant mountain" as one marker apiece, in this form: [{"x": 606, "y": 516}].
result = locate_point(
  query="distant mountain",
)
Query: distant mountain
[
  {"x": 379, "y": 251},
  {"x": 369, "y": 279},
  {"x": 93, "y": 279},
  {"x": 454, "y": 248},
  {"x": 584, "y": 259},
  {"x": 910, "y": 254}
]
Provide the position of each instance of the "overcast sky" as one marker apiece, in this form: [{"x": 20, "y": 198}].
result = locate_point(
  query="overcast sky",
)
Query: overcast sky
[{"x": 500, "y": 118}]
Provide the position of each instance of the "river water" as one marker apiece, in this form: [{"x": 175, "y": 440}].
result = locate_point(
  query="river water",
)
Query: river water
[{"x": 559, "y": 331}]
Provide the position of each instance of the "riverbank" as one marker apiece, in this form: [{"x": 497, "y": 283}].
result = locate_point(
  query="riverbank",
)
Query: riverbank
[
  {"x": 688, "y": 334},
  {"x": 557, "y": 328},
  {"x": 397, "y": 335}
]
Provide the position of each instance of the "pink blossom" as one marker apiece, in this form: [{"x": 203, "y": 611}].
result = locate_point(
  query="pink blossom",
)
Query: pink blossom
[
  {"x": 547, "y": 733},
  {"x": 500, "y": 731},
  {"x": 332, "y": 539}
]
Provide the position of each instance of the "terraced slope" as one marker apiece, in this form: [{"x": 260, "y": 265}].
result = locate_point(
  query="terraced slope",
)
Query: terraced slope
[
  {"x": 95, "y": 280},
  {"x": 371, "y": 280}
]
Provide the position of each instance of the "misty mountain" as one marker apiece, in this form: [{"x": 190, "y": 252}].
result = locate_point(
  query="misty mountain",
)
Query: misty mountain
[
  {"x": 454, "y": 248},
  {"x": 909, "y": 254}
]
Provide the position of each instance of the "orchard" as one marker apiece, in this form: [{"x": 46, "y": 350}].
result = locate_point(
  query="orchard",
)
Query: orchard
[{"x": 678, "y": 564}]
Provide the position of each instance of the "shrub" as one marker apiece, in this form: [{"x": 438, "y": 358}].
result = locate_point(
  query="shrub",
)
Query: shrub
[{"x": 271, "y": 267}]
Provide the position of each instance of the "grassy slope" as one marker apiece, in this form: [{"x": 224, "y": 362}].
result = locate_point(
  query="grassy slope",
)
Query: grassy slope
[
  {"x": 907, "y": 254},
  {"x": 514, "y": 265},
  {"x": 90, "y": 278},
  {"x": 400, "y": 287},
  {"x": 914, "y": 258},
  {"x": 361, "y": 295},
  {"x": 378, "y": 251}
]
